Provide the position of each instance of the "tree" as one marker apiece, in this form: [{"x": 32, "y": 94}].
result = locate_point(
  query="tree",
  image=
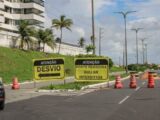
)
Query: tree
[
  {"x": 25, "y": 32},
  {"x": 92, "y": 41},
  {"x": 40, "y": 36},
  {"x": 58, "y": 40},
  {"x": 48, "y": 38},
  {"x": 89, "y": 48},
  {"x": 60, "y": 24},
  {"x": 81, "y": 42}
]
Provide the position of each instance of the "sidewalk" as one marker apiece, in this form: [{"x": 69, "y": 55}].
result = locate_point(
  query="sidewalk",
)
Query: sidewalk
[{"x": 38, "y": 84}]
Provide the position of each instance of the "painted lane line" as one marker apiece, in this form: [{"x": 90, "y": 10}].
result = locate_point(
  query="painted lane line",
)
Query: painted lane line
[
  {"x": 143, "y": 83},
  {"x": 123, "y": 100},
  {"x": 137, "y": 88}
]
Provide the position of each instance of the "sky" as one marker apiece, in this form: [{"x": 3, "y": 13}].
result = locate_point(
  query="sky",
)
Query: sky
[{"x": 112, "y": 24}]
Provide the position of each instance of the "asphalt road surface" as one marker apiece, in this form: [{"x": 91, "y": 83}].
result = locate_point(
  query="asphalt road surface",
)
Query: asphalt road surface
[{"x": 141, "y": 103}]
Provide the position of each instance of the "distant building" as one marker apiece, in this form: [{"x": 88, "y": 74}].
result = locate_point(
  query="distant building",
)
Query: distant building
[{"x": 12, "y": 11}]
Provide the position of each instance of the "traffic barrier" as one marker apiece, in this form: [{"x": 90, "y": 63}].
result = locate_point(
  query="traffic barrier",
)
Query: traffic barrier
[
  {"x": 118, "y": 83},
  {"x": 15, "y": 84},
  {"x": 151, "y": 83},
  {"x": 133, "y": 82}
]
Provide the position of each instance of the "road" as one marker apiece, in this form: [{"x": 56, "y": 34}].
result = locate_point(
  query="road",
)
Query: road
[{"x": 103, "y": 104}]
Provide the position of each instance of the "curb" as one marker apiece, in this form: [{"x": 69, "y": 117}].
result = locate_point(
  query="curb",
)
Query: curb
[
  {"x": 32, "y": 82},
  {"x": 54, "y": 91},
  {"x": 95, "y": 86},
  {"x": 101, "y": 85}
]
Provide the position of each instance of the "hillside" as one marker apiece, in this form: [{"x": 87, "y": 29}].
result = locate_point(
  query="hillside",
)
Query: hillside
[{"x": 14, "y": 62}]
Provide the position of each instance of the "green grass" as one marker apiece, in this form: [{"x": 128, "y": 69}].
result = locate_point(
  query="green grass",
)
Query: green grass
[
  {"x": 116, "y": 69},
  {"x": 74, "y": 86},
  {"x": 78, "y": 85},
  {"x": 14, "y": 62},
  {"x": 113, "y": 77}
]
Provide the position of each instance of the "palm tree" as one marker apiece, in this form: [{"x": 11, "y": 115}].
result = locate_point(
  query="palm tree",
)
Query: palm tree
[
  {"x": 40, "y": 36},
  {"x": 48, "y": 39},
  {"x": 60, "y": 24},
  {"x": 81, "y": 42},
  {"x": 89, "y": 48},
  {"x": 25, "y": 33}
]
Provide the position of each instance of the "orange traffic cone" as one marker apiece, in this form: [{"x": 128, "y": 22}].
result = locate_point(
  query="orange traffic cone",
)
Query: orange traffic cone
[
  {"x": 150, "y": 81},
  {"x": 118, "y": 83},
  {"x": 15, "y": 84},
  {"x": 133, "y": 83}
]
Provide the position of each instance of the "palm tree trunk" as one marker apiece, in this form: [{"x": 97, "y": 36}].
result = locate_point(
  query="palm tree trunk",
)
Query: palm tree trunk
[
  {"x": 27, "y": 45},
  {"x": 39, "y": 45},
  {"x": 22, "y": 45},
  {"x": 60, "y": 43},
  {"x": 43, "y": 46}
]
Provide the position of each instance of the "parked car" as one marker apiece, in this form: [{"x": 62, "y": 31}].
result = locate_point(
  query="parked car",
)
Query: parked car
[{"x": 2, "y": 95}]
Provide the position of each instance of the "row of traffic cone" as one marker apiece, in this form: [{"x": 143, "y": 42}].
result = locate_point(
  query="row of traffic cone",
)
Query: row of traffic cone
[{"x": 133, "y": 82}]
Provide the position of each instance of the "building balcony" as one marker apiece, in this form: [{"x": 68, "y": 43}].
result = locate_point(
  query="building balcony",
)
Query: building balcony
[
  {"x": 25, "y": 17},
  {"x": 9, "y": 27},
  {"x": 1, "y": 5},
  {"x": 24, "y": 5},
  {"x": 1, "y": 19}
]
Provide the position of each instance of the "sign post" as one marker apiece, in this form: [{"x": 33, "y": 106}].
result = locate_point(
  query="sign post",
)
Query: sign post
[
  {"x": 49, "y": 69},
  {"x": 91, "y": 69}
]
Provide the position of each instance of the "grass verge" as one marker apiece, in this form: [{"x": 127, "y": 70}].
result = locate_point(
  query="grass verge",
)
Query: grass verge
[
  {"x": 15, "y": 62},
  {"x": 113, "y": 77},
  {"x": 76, "y": 85},
  {"x": 73, "y": 86}
]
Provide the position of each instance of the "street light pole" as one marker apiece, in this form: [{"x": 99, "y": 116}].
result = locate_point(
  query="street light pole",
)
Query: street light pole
[
  {"x": 93, "y": 30},
  {"x": 125, "y": 23},
  {"x": 143, "y": 50},
  {"x": 137, "y": 30},
  {"x": 100, "y": 38},
  {"x": 146, "y": 54}
]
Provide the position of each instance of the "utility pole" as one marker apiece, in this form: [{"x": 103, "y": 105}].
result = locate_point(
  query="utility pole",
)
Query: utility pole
[
  {"x": 123, "y": 56},
  {"x": 119, "y": 61},
  {"x": 137, "y": 30},
  {"x": 146, "y": 53},
  {"x": 124, "y": 14},
  {"x": 100, "y": 38},
  {"x": 93, "y": 30},
  {"x": 143, "y": 50}
]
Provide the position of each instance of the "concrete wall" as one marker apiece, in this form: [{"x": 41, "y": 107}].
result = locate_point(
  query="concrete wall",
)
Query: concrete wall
[
  {"x": 66, "y": 49},
  {"x": 7, "y": 40}
]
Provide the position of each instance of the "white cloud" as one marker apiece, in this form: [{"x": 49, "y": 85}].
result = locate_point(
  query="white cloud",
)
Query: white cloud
[
  {"x": 80, "y": 31},
  {"x": 79, "y": 11}
]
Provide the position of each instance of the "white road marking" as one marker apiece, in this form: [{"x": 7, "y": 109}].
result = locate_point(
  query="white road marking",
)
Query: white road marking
[
  {"x": 123, "y": 100},
  {"x": 137, "y": 88},
  {"x": 143, "y": 83}
]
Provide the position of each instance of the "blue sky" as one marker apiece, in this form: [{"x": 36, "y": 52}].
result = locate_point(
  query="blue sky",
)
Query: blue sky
[{"x": 147, "y": 17}]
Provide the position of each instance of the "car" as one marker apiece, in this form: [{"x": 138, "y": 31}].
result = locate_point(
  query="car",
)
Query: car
[{"x": 2, "y": 95}]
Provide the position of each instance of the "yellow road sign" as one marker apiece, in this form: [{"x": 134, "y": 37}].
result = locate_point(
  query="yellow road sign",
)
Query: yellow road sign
[
  {"x": 50, "y": 68},
  {"x": 91, "y": 69}
]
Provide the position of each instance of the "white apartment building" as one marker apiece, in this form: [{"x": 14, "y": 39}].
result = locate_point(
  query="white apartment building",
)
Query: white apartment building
[{"x": 12, "y": 11}]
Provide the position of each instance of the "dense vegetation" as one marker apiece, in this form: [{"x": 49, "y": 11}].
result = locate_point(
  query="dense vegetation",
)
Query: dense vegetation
[{"x": 142, "y": 67}]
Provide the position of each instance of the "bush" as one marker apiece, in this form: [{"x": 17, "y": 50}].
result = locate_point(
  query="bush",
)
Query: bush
[{"x": 140, "y": 67}]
